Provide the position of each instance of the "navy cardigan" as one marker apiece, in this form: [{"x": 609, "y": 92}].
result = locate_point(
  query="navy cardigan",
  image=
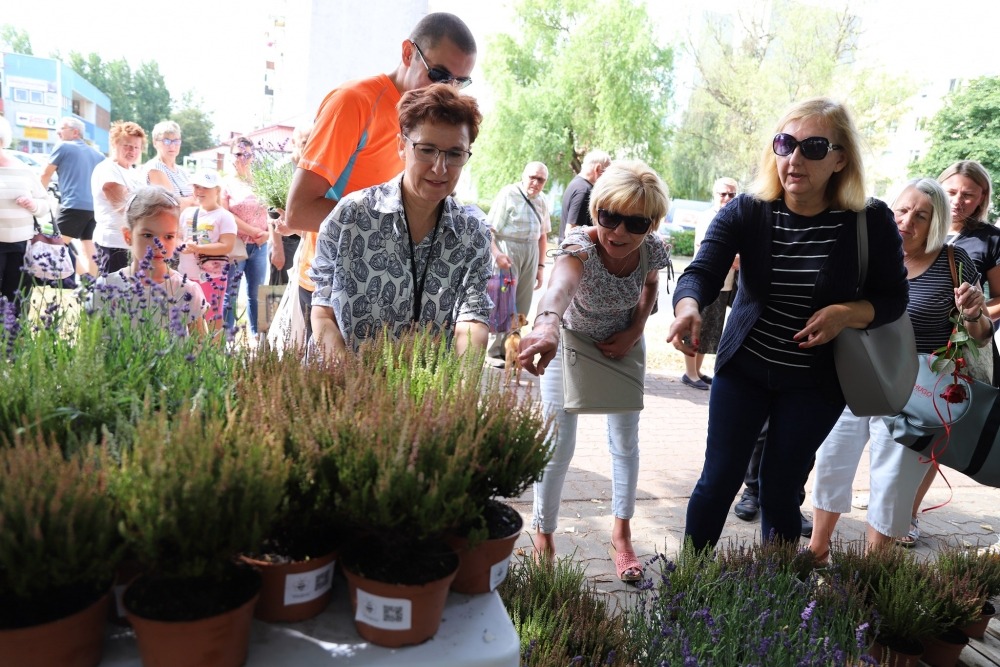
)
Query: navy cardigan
[{"x": 744, "y": 227}]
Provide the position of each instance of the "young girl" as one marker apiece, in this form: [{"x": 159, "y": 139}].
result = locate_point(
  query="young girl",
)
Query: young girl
[
  {"x": 148, "y": 288},
  {"x": 210, "y": 233}
]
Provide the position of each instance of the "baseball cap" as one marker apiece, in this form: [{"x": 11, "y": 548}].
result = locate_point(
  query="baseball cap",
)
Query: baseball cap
[{"x": 207, "y": 178}]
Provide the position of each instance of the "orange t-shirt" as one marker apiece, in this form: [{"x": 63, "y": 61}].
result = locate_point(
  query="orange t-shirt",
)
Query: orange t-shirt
[{"x": 352, "y": 146}]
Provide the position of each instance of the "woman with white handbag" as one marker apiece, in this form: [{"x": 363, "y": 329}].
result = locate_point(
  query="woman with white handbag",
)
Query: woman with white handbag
[
  {"x": 22, "y": 199},
  {"x": 602, "y": 289}
]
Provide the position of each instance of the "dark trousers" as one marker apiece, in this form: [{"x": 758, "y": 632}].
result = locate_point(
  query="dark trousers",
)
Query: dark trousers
[
  {"x": 746, "y": 393},
  {"x": 305, "y": 303},
  {"x": 752, "y": 477},
  {"x": 110, "y": 260},
  {"x": 15, "y": 284}
]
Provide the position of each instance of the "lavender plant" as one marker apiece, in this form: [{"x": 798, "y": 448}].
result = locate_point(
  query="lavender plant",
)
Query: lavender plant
[{"x": 746, "y": 606}]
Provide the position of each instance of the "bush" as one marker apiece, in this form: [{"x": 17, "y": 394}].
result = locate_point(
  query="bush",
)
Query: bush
[{"x": 683, "y": 243}]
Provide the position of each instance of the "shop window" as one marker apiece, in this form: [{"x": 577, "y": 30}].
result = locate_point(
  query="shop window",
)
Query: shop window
[
  {"x": 19, "y": 94},
  {"x": 37, "y": 97}
]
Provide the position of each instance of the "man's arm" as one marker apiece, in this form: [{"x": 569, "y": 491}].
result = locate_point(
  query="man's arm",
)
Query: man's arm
[
  {"x": 326, "y": 333},
  {"x": 307, "y": 202},
  {"x": 47, "y": 174}
]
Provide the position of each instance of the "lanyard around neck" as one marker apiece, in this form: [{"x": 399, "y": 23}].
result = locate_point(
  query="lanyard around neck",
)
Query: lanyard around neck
[{"x": 418, "y": 285}]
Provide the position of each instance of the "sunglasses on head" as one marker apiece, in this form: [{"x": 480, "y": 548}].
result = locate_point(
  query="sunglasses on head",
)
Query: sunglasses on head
[
  {"x": 634, "y": 224},
  {"x": 813, "y": 148},
  {"x": 439, "y": 74}
]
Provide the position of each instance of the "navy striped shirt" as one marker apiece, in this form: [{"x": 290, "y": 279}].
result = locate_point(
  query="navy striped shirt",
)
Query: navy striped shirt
[
  {"x": 800, "y": 246},
  {"x": 932, "y": 298}
]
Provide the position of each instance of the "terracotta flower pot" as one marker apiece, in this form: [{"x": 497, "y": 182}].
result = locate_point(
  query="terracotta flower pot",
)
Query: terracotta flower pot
[
  {"x": 977, "y": 630},
  {"x": 295, "y": 591},
  {"x": 221, "y": 640},
  {"x": 74, "y": 641},
  {"x": 395, "y": 615},
  {"x": 944, "y": 649},
  {"x": 896, "y": 657},
  {"x": 484, "y": 567}
]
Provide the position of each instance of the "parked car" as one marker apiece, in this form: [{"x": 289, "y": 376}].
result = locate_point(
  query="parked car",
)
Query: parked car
[{"x": 683, "y": 216}]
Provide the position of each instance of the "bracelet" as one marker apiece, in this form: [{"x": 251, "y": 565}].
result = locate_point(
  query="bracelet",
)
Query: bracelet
[
  {"x": 546, "y": 312},
  {"x": 541, "y": 266},
  {"x": 973, "y": 319}
]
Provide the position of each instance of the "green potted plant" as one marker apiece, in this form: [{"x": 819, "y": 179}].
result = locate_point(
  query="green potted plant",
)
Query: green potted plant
[
  {"x": 958, "y": 600},
  {"x": 515, "y": 450},
  {"x": 983, "y": 567},
  {"x": 406, "y": 445},
  {"x": 59, "y": 546},
  {"x": 907, "y": 609},
  {"x": 271, "y": 177},
  {"x": 297, "y": 556},
  {"x": 197, "y": 489}
]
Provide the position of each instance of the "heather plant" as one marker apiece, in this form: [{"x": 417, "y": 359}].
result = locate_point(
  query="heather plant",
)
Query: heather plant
[
  {"x": 982, "y": 566},
  {"x": 560, "y": 618},
  {"x": 905, "y": 601},
  {"x": 59, "y": 539},
  {"x": 271, "y": 175},
  {"x": 198, "y": 489},
  {"x": 746, "y": 606},
  {"x": 959, "y": 599}
]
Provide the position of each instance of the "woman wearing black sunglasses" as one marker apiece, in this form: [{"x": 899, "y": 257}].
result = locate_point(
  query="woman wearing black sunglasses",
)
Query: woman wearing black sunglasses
[
  {"x": 598, "y": 288},
  {"x": 796, "y": 234}
]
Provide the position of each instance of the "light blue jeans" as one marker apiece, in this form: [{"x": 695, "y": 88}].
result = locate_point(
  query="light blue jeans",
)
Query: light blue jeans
[
  {"x": 623, "y": 443},
  {"x": 253, "y": 270}
]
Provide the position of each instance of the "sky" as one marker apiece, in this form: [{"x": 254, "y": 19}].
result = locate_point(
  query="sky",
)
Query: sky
[{"x": 203, "y": 46}]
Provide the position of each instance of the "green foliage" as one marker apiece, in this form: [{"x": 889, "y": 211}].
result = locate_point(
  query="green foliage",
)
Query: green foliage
[
  {"x": 683, "y": 243},
  {"x": 577, "y": 76},
  {"x": 198, "y": 489},
  {"x": 271, "y": 177},
  {"x": 15, "y": 40},
  {"x": 196, "y": 125},
  {"x": 95, "y": 370},
  {"x": 906, "y": 604},
  {"x": 152, "y": 99},
  {"x": 982, "y": 566},
  {"x": 559, "y": 618},
  {"x": 966, "y": 128},
  {"x": 746, "y": 605},
  {"x": 752, "y": 67},
  {"x": 57, "y": 522}
]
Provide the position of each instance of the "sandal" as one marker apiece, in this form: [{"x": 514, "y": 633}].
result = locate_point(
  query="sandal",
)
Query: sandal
[
  {"x": 627, "y": 566},
  {"x": 910, "y": 540}
]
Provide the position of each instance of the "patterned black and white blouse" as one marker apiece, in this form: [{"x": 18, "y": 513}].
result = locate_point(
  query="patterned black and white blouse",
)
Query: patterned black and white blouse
[
  {"x": 603, "y": 303},
  {"x": 362, "y": 267}
]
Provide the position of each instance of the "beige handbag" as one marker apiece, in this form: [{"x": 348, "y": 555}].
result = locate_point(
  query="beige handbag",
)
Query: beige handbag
[{"x": 594, "y": 384}]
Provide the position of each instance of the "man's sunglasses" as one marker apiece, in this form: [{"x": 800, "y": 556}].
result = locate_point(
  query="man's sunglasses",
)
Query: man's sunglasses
[
  {"x": 439, "y": 74},
  {"x": 634, "y": 224},
  {"x": 813, "y": 148}
]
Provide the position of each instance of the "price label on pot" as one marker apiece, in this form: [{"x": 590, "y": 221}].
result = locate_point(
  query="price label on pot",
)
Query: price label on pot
[
  {"x": 306, "y": 586},
  {"x": 499, "y": 572},
  {"x": 383, "y": 613}
]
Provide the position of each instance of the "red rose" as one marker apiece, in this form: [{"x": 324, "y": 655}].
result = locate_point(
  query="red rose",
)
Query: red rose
[{"x": 955, "y": 393}]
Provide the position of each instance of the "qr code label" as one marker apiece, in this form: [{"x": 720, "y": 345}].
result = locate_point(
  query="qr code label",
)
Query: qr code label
[
  {"x": 307, "y": 586},
  {"x": 384, "y": 613}
]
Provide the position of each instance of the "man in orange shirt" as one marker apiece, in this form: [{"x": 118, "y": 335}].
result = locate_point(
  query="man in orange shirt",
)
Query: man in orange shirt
[{"x": 353, "y": 144}]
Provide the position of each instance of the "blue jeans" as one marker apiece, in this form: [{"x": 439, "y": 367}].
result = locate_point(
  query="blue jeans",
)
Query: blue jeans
[
  {"x": 746, "y": 392},
  {"x": 254, "y": 271},
  {"x": 623, "y": 445}
]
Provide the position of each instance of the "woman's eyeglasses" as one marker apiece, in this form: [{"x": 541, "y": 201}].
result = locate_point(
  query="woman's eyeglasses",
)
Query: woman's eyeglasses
[
  {"x": 439, "y": 74},
  {"x": 634, "y": 224},
  {"x": 813, "y": 148},
  {"x": 428, "y": 153},
  {"x": 171, "y": 142}
]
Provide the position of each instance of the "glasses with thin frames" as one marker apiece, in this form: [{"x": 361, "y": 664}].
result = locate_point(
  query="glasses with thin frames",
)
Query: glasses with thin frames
[
  {"x": 429, "y": 153},
  {"x": 813, "y": 148},
  {"x": 171, "y": 142},
  {"x": 439, "y": 74},
  {"x": 634, "y": 224}
]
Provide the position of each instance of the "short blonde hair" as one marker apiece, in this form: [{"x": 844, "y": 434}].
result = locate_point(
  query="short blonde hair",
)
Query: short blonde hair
[
  {"x": 627, "y": 184},
  {"x": 846, "y": 188},
  {"x": 977, "y": 174},
  {"x": 940, "y": 211},
  {"x": 165, "y": 127}
]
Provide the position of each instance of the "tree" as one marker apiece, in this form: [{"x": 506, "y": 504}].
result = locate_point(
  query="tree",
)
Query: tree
[
  {"x": 15, "y": 40},
  {"x": 751, "y": 67},
  {"x": 152, "y": 99},
  {"x": 114, "y": 78},
  {"x": 196, "y": 125},
  {"x": 579, "y": 75},
  {"x": 966, "y": 128}
]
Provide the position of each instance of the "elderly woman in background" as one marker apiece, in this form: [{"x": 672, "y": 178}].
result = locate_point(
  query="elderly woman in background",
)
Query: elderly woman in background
[
  {"x": 970, "y": 191},
  {"x": 597, "y": 288},
  {"x": 251, "y": 221},
  {"x": 111, "y": 184},
  {"x": 405, "y": 253},
  {"x": 922, "y": 216},
  {"x": 162, "y": 170},
  {"x": 22, "y": 199},
  {"x": 796, "y": 235}
]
